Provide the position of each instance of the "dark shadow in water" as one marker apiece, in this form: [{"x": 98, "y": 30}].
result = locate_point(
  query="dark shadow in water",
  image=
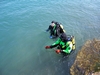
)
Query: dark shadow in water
[
  {"x": 65, "y": 62},
  {"x": 62, "y": 66}
]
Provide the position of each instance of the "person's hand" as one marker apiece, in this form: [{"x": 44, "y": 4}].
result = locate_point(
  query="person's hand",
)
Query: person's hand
[
  {"x": 46, "y": 31},
  {"x": 58, "y": 51},
  {"x": 47, "y": 47}
]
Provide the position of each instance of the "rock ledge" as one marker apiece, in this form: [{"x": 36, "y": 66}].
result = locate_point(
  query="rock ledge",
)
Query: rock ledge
[{"x": 88, "y": 59}]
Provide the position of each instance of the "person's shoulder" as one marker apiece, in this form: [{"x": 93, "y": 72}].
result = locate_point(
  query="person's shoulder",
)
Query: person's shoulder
[{"x": 50, "y": 26}]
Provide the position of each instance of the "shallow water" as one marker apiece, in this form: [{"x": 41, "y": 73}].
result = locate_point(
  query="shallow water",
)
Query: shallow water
[{"x": 23, "y": 37}]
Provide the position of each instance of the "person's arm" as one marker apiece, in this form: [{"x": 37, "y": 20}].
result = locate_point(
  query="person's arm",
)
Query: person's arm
[
  {"x": 48, "y": 28},
  {"x": 68, "y": 48},
  {"x": 56, "y": 43}
]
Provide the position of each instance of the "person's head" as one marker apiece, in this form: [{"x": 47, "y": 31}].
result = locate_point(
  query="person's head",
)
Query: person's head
[
  {"x": 63, "y": 37},
  {"x": 57, "y": 23},
  {"x": 52, "y": 23}
]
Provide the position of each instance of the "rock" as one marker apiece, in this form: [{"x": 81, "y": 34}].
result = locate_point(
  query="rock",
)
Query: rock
[
  {"x": 96, "y": 73},
  {"x": 88, "y": 59}
]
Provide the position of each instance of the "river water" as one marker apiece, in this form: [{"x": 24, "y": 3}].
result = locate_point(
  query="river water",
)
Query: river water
[{"x": 23, "y": 37}]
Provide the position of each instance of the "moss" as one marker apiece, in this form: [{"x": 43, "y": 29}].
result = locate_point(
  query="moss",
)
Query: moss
[{"x": 97, "y": 67}]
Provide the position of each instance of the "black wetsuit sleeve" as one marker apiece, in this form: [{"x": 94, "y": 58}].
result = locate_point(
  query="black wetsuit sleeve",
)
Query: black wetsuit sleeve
[
  {"x": 49, "y": 28},
  {"x": 52, "y": 46}
]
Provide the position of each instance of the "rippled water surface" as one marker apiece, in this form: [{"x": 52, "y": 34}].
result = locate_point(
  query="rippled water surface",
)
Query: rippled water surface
[{"x": 23, "y": 37}]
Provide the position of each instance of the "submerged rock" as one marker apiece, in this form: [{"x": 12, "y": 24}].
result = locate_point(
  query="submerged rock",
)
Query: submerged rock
[{"x": 88, "y": 59}]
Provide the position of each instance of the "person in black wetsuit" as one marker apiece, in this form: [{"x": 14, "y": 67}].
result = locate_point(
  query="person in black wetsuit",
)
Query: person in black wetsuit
[{"x": 55, "y": 29}]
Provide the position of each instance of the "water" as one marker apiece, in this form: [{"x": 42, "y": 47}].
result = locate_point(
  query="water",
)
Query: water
[{"x": 23, "y": 37}]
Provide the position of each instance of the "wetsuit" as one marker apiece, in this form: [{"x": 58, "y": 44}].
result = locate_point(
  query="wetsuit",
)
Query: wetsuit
[
  {"x": 65, "y": 46},
  {"x": 52, "y": 29},
  {"x": 55, "y": 30}
]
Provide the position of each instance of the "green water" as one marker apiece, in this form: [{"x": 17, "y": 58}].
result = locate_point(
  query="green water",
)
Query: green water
[{"x": 23, "y": 37}]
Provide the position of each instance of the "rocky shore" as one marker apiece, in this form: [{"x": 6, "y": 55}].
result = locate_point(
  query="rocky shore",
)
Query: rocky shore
[{"x": 88, "y": 59}]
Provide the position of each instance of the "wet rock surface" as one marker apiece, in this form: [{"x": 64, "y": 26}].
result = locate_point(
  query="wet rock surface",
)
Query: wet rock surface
[{"x": 88, "y": 59}]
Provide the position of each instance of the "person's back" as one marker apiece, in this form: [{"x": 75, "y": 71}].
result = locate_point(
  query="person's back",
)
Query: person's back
[{"x": 59, "y": 29}]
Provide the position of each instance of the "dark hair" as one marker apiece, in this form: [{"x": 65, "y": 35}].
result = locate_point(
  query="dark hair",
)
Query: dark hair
[
  {"x": 63, "y": 37},
  {"x": 57, "y": 23},
  {"x": 53, "y": 22}
]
